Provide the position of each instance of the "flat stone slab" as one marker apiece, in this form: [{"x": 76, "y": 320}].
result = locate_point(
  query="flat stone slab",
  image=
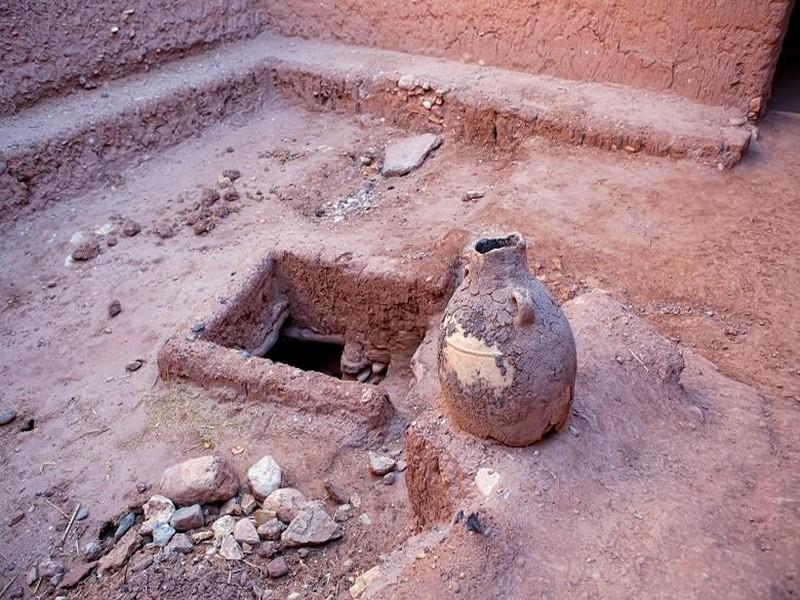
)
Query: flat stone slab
[{"x": 408, "y": 154}]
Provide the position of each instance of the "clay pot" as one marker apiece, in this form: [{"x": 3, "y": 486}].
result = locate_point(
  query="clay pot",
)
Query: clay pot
[{"x": 507, "y": 358}]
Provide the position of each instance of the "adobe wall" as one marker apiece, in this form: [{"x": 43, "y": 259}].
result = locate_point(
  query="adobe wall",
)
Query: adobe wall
[
  {"x": 711, "y": 51},
  {"x": 47, "y": 47}
]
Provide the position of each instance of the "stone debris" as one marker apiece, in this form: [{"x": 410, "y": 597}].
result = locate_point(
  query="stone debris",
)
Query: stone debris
[
  {"x": 262, "y": 516},
  {"x": 248, "y": 504},
  {"x": 75, "y": 575},
  {"x": 134, "y": 365},
  {"x": 486, "y": 480},
  {"x": 364, "y": 519},
  {"x": 264, "y": 477},
  {"x": 268, "y": 549},
  {"x": 200, "y": 480},
  {"x": 179, "y": 544},
  {"x": 188, "y": 517},
  {"x": 277, "y": 567},
  {"x": 232, "y": 174},
  {"x": 92, "y": 551},
  {"x": 363, "y": 581},
  {"x": 223, "y": 527},
  {"x": 231, "y": 507},
  {"x": 82, "y": 514},
  {"x": 403, "y": 156},
  {"x": 388, "y": 479},
  {"x": 286, "y": 502},
  {"x": 313, "y": 526},
  {"x": 130, "y": 228},
  {"x": 245, "y": 532},
  {"x": 343, "y": 513},
  {"x": 198, "y": 537},
  {"x": 50, "y": 567},
  {"x": 156, "y": 510},
  {"x": 32, "y": 576},
  {"x": 162, "y": 534},
  {"x": 336, "y": 493},
  {"x": 271, "y": 530},
  {"x": 86, "y": 251},
  {"x": 119, "y": 555},
  {"x": 229, "y": 549},
  {"x": 125, "y": 523},
  {"x": 380, "y": 464},
  {"x": 7, "y": 416}
]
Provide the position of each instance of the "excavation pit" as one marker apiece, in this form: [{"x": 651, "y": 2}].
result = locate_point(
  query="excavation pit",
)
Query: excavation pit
[{"x": 322, "y": 334}]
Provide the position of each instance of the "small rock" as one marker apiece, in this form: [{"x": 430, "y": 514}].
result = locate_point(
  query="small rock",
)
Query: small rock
[
  {"x": 130, "y": 228},
  {"x": 401, "y": 466},
  {"x": 231, "y": 507},
  {"x": 486, "y": 480},
  {"x": 179, "y": 544},
  {"x": 188, "y": 517},
  {"x": 343, "y": 513},
  {"x": 403, "y": 156},
  {"x": 261, "y": 516},
  {"x": 111, "y": 240},
  {"x": 224, "y": 182},
  {"x": 230, "y": 549},
  {"x": 79, "y": 237},
  {"x": 364, "y": 520},
  {"x": 50, "y": 567},
  {"x": 124, "y": 525},
  {"x": 312, "y": 526},
  {"x": 264, "y": 477},
  {"x": 267, "y": 549},
  {"x": 277, "y": 567},
  {"x": 336, "y": 493},
  {"x": 162, "y": 534},
  {"x": 134, "y": 365},
  {"x": 388, "y": 479},
  {"x": 7, "y": 416},
  {"x": 208, "y": 196},
  {"x": 232, "y": 174},
  {"x": 231, "y": 195},
  {"x": 286, "y": 502},
  {"x": 271, "y": 530},
  {"x": 200, "y": 480},
  {"x": 32, "y": 576},
  {"x": 165, "y": 231},
  {"x": 92, "y": 551},
  {"x": 223, "y": 527},
  {"x": 245, "y": 532},
  {"x": 348, "y": 565},
  {"x": 141, "y": 562},
  {"x": 380, "y": 464},
  {"x": 355, "y": 500},
  {"x": 198, "y": 537},
  {"x": 406, "y": 82},
  {"x": 363, "y": 581},
  {"x": 120, "y": 554},
  {"x": 86, "y": 251},
  {"x": 248, "y": 504},
  {"x": 83, "y": 514},
  {"x": 156, "y": 510},
  {"x": 75, "y": 575}
]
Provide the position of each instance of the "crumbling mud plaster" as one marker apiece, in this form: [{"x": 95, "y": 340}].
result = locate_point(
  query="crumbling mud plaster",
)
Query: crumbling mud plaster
[
  {"x": 49, "y": 47},
  {"x": 719, "y": 53}
]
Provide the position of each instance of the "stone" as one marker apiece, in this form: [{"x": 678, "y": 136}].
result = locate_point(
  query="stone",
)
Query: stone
[
  {"x": 231, "y": 195},
  {"x": 267, "y": 549},
  {"x": 364, "y": 519},
  {"x": 380, "y": 464},
  {"x": 336, "y": 492},
  {"x": 261, "y": 516},
  {"x": 312, "y": 526},
  {"x": 111, "y": 240},
  {"x": 286, "y": 502},
  {"x": 223, "y": 527},
  {"x": 134, "y": 365},
  {"x": 198, "y": 537},
  {"x": 7, "y": 416},
  {"x": 120, "y": 554},
  {"x": 50, "y": 567},
  {"x": 32, "y": 576},
  {"x": 156, "y": 510},
  {"x": 277, "y": 567},
  {"x": 179, "y": 544},
  {"x": 363, "y": 581},
  {"x": 200, "y": 481},
  {"x": 82, "y": 514},
  {"x": 114, "y": 308},
  {"x": 271, "y": 530},
  {"x": 125, "y": 523},
  {"x": 231, "y": 507},
  {"x": 403, "y": 156},
  {"x": 16, "y": 518},
  {"x": 162, "y": 534},
  {"x": 130, "y": 228},
  {"x": 92, "y": 551},
  {"x": 140, "y": 563},
  {"x": 188, "y": 517},
  {"x": 245, "y": 532},
  {"x": 75, "y": 575},
  {"x": 406, "y": 82},
  {"x": 388, "y": 479},
  {"x": 230, "y": 549},
  {"x": 208, "y": 196},
  {"x": 343, "y": 513},
  {"x": 86, "y": 251},
  {"x": 486, "y": 480},
  {"x": 248, "y": 504},
  {"x": 232, "y": 174},
  {"x": 264, "y": 477}
]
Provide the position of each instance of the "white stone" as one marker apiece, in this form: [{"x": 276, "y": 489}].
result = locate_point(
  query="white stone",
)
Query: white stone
[
  {"x": 229, "y": 549},
  {"x": 285, "y": 502},
  {"x": 381, "y": 464},
  {"x": 223, "y": 526},
  {"x": 403, "y": 156},
  {"x": 363, "y": 581},
  {"x": 486, "y": 480},
  {"x": 313, "y": 526},
  {"x": 158, "y": 509},
  {"x": 264, "y": 477}
]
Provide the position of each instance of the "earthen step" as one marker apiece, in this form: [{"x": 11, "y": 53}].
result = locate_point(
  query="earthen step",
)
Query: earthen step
[{"x": 67, "y": 144}]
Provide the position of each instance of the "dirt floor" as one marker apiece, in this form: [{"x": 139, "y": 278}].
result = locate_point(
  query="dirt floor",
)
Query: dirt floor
[{"x": 709, "y": 258}]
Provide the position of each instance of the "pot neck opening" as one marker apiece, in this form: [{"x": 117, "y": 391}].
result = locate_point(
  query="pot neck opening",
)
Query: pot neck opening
[{"x": 499, "y": 254}]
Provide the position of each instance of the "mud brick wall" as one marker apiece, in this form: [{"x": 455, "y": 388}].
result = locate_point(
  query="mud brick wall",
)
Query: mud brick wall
[
  {"x": 48, "y": 46},
  {"x": 718, "y": 52}
]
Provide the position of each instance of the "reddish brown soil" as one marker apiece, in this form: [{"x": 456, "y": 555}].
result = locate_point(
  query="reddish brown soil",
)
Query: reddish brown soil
[{"x": 708, "y": 257}]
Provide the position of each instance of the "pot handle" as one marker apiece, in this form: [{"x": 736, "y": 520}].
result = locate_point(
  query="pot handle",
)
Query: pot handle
[{"x": 523, "y": 305}]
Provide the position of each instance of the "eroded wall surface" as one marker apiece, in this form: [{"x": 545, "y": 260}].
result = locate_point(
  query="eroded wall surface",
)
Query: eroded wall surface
[
  {"x": 48, "y": 46},
  {"x": 714, "y": 51}
]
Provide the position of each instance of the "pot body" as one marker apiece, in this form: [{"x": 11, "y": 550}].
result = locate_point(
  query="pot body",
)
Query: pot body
[{"x": 507, "y": 360}]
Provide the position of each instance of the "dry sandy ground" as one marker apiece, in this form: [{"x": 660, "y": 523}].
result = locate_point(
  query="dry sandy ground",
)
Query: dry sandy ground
[{"x": 710, "y": 258}]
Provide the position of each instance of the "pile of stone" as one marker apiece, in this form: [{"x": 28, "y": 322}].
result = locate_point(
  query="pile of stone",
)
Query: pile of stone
[{"x": 201, "y": 503}]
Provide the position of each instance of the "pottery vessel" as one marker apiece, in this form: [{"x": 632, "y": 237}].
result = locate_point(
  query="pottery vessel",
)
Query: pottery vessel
[{"x": 507, "y": 357}]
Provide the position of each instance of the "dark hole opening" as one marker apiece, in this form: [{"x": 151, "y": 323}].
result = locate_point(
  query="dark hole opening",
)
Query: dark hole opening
[
  {"x": 786, "y": 84},
  {"x": 321, "y": 357},
  {"x": 488, "y": 244}
]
